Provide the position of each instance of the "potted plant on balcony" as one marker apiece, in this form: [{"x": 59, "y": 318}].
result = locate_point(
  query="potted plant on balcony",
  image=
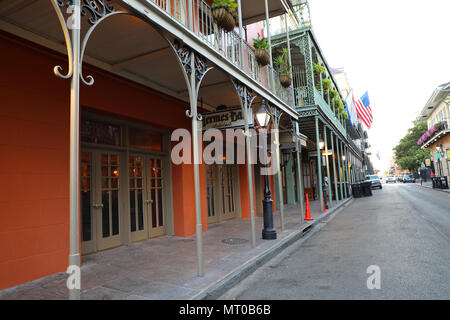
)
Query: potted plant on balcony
[
  {"x": 261, "y": 51},
  {"x": 224, "y": 11},
  {"x": 318, "y": 69},
  {"x": 345, "y": 115},
  {"x": 326, "y": 84},
  {"x": 283, "y": 69},
  {"x": 338, "y": 105},
  {"x": 334, "y": 94}
]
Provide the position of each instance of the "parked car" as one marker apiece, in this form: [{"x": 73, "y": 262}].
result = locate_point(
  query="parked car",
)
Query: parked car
[
  {"x": 400, "y": 178},
  {"x": 391, "y": 178},
  {"x": 375, "y": 180},
  {"x": 408, "y": 178}
]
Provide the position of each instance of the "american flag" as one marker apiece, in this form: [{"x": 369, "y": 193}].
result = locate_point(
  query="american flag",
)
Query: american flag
[{"x": 364, "y": 110}]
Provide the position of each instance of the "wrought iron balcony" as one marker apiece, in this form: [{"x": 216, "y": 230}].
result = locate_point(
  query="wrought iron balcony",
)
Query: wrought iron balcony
[
  {"x": 434, "y": 132},
  {"x": 305, "y": 96},
  {"x": 229, "y": 44}
]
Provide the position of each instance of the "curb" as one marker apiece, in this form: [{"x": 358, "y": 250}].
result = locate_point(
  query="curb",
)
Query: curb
[
  {"x": 240, "y": 273},
  {"x": 431, "y": 188}
]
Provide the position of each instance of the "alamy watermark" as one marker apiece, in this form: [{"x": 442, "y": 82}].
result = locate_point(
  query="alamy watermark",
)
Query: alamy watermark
[
  {"x": 374, "y": 280},
  {"x": 74, "y": 279},
  {"x": 220, "y": 147}
]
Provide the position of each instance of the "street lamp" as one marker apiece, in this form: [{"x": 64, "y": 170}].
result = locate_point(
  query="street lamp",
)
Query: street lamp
[
  {"x": 268, "y": 233},
  {"x": 321, "y": 144}
]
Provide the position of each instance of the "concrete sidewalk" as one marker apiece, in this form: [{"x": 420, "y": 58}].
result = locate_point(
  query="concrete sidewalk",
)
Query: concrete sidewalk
[
  {"x": 428, "y": 184},
  {"x": 165, "y": 268}
]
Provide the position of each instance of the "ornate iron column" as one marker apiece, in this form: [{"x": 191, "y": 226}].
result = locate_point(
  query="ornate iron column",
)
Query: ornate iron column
[
  {"x": 307, "y": 52},
  {"x": 339, "y": 166},
  {"x": 241, "y": 35},
  {"x": 344, "y": 169},
  {"x": 288, "y": 41},
  {"x": 328, "y": 165},
  {"x": 334, "y": 167},
  {"x": 246, "y": 99},
  {"x": 276, "y": 115},
  {"x": 299, "y": 171},
  {"x": 348, "y": 171},
  {"x": 319, "y": 164},
  {"x": 97, "y": 12},
  {"x": 194, "y": 69},
  {"x": 269, "y": 40}
]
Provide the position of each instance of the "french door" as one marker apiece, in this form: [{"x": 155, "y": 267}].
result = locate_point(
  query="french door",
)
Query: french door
[
  {"x": 146, "y": 194},
  {"x": 100, "y": 200},
  {"x": 221, "y": 192}
]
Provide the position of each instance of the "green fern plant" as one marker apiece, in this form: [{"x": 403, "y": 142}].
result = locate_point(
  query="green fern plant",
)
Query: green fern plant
[
  {"x": 326, "y": 84},
  {"x": 318, "y": 68},
  {"x": 229, "y": 5},
  {"x": 261, "y": 44},
  {"x": 334, "y": 93}
]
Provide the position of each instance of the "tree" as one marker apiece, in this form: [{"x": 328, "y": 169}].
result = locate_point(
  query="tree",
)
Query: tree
[{"x": 409, "y": 155}]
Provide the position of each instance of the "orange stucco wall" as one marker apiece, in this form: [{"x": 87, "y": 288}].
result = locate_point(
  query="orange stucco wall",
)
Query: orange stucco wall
[
  {"x": 244, "y": 192},
  {"x": 34, "y": 146}
]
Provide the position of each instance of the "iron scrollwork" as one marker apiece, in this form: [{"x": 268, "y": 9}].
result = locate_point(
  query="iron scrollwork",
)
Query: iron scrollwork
[
  {"x": 184, "y": 54},
  {"x": 276, "y": 115},
  {"x": 97, "y": 9},
  {"x": 245, "y": 94}
]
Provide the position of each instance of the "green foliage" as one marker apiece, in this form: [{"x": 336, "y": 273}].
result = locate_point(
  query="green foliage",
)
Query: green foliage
[
  {"x": 229, "y": 5},
  {"x": 345, "y": 115},
  {"x": 337, "y": 103},
  {"x": 280, "y": 62},
  {"x": 318, "y": 68},
  {"x": 326, "y": 84},
  {"x": 261, "y": 44},
  {"x": 334, "y": 93},
  {"x": 409, "y": 156}
]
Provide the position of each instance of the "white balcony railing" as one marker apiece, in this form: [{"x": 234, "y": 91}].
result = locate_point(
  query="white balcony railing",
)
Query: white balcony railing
[{"x": 228, "y": 44}]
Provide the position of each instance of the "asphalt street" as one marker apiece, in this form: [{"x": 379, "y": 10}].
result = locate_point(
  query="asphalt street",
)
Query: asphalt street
[{"x": 404, "y": 229}]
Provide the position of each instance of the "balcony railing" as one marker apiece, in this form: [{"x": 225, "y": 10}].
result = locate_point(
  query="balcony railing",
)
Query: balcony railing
[
  {"x": 434, "y": 130},
  {"x": 325, "y": 107},
  {"x": 228, "y": 44},
  {"x": 302, "y": 97},
  {"x": 301, "y": 93}
]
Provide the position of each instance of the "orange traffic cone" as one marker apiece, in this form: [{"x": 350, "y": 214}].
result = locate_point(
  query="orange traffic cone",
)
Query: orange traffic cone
[
  {"x": 324, "y": 207},
  {"x": 308, "y": 212}
]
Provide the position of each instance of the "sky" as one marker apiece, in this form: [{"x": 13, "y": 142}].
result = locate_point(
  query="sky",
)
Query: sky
[{"x": 397, "y": 50}]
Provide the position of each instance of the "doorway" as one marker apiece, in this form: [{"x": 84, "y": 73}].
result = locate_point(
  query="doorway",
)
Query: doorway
[
  {"x": 146, "y": 193},
  {"x": 222, "y": 192},
  {"x": 100, "y": 200}
]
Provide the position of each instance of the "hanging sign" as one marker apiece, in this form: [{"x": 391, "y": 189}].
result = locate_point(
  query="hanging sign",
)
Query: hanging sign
[{"x": 230, "y": 118}]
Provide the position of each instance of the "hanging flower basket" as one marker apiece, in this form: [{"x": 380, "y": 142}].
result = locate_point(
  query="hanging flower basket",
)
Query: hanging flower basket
[
  {"x": 224, "y": 19},
  {"x": 262, "y": 57},
  {"x": 285, "y": 80}
]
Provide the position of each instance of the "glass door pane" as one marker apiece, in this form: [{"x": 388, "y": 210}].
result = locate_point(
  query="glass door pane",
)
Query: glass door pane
[
  {"x": 110, "y": 194},
  {"x": 136, "y": 193},
  {"x": 86, "y": 196},
  {"x": 210, "y": 190},
  {"x": 155, "y": 197}
]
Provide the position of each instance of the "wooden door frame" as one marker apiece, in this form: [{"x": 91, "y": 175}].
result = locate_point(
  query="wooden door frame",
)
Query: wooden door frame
[{"x": 218, "y": 196}]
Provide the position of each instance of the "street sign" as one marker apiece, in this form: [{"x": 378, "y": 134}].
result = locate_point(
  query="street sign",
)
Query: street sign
[{"x": 427, "y": 162}]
